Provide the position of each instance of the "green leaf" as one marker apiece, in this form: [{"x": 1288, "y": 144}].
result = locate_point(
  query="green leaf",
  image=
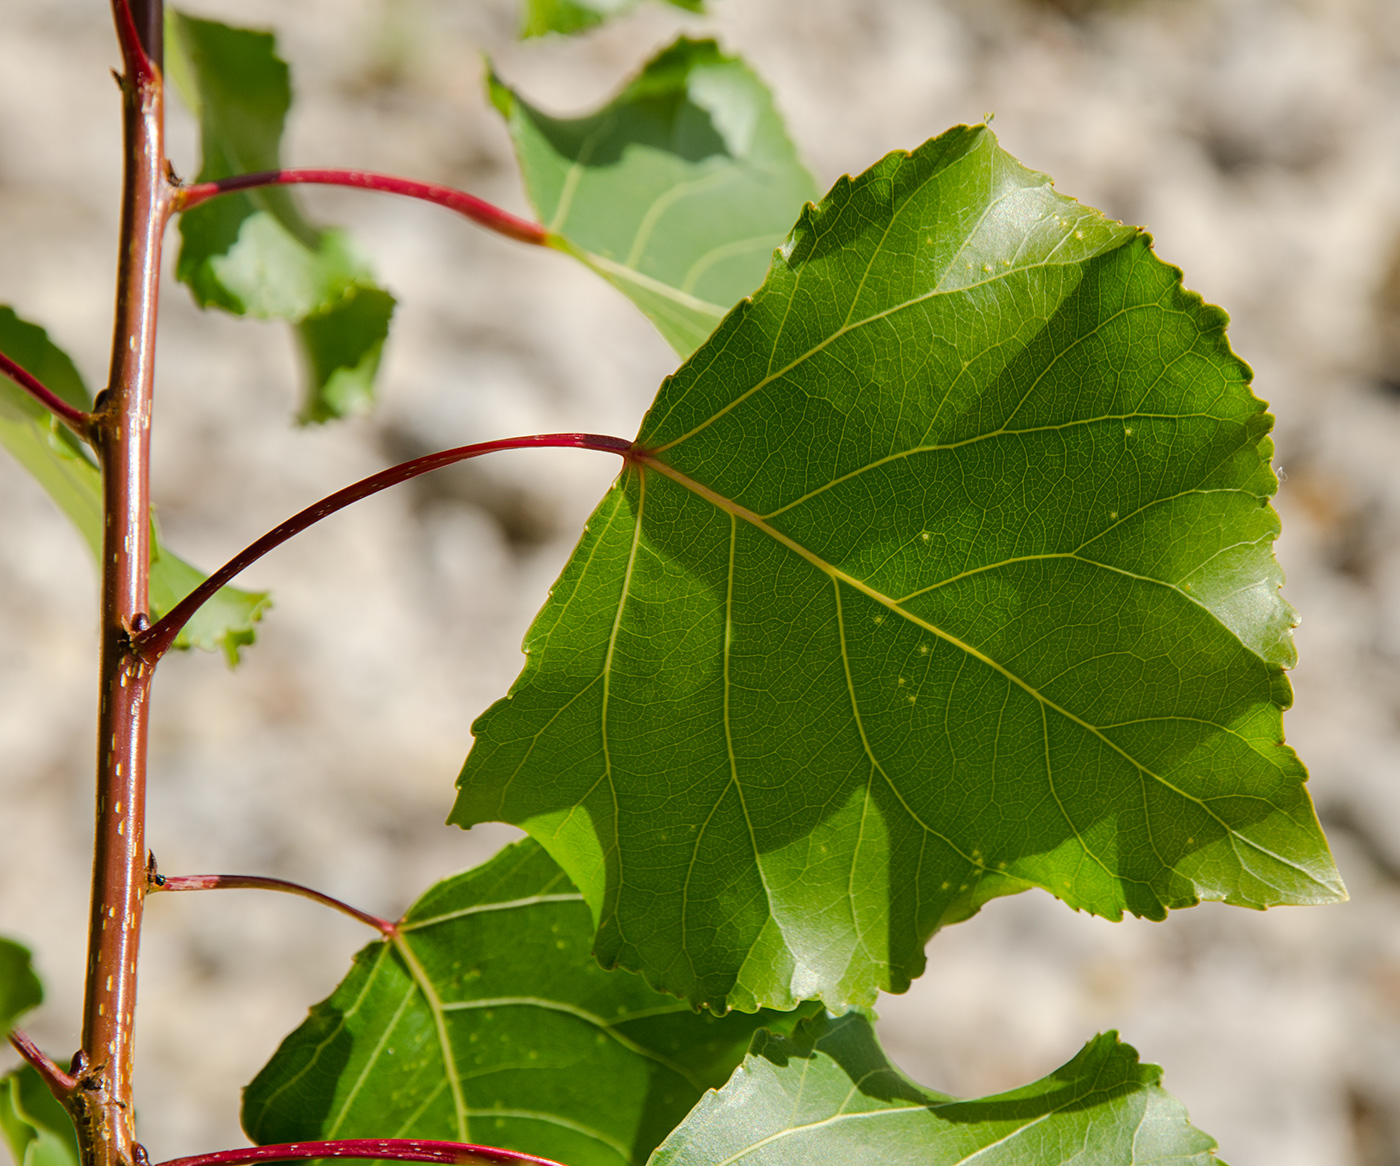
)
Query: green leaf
[
  {"x": 254, "y": 253},
  {"x": 828, "y": 1096},
  {"x": 488, "y": 1020},
  {"x": 676, "y": 191},
  {"x": 60, "y": 463},
  {"x": 948, "y": 573},
  {"x": 569, "y": 16},
  {"x": 37, "y": 1129},
  {"x": 20, "y": 989}
]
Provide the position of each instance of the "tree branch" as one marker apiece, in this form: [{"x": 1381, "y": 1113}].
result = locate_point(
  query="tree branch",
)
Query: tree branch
[
  {"x": 153, "y": 643},
  {"x": 214, "y": 882},
  {"x": 478, "y": 210},
  {"x": 73, "y": 417}
]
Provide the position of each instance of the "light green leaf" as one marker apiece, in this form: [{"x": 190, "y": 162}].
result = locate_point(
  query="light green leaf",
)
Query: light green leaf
[
  {"x": 36, "y": 1128},
  {"x": 568, "y": 16},
  {"x": 945, "y": 572},
  {"x": 60, "y": 463},
  {"x": 828, "y": 1096},
  {"x": 676, "y": 191},
  {"x": 254, "y": 253},
  {"x": 488, "y": 1020},
  {"x": 20, "y": 989}
]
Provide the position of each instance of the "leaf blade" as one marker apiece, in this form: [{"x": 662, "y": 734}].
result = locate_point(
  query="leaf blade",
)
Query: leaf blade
[
  {"x": 532, "y": 1047},
  {"x": 676, "y": 191},
  {"x": 946, "y": 574},
  {"x": 254, "y": 252},
  {"x": 539, "y": 17},
  {"x": 828, "y": 1094}
]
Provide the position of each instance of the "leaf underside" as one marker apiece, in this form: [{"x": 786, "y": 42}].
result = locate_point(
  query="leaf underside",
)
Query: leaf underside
[
  {"x": 538, "y": 17},
  {"x": 828, "y": 1096},
  {"x": 676, "y": 192},
  {"x": 254, "y": 253},
  {"x": 946, "y": 573},
  {"x": 60, "y": 463},
  {"x": 489, "y": 1021}
]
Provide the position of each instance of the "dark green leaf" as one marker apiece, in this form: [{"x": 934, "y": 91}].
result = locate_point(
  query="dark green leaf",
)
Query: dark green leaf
[
  {"x": 488, "y": 1020},
  {"x": 20, "y": 989},
  {"x": 567, "y": 16},
  {"x": 828, "y": 1096},
  {"x": 948, "y": 574},
  {"x": 254, "y": 253},
  {"x": 35, "y": 1127},
  {"x": 60, "y": 463},
  {"x": 676, "y": 192}
]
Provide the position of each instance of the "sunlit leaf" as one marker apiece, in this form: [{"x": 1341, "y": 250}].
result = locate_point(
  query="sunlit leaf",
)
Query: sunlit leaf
[
  {"x": 60, "y": 463},
  {"x": 569, "y": 16},
  {"x": 36, "y": 1128},
  {"x": 488, "y": 1020},
  {"x": 828, "y": 1096},
  {"x": 254, "y": 252},
  {"x": 676, "y": 191},
  {"x": 945, "y": 571}
]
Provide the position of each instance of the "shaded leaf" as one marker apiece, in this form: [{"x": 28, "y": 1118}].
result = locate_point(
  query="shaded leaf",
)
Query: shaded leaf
[
  {"x": 36, "y": 1128},
  {"x": 60, "y": 463},
  {"x": 488, "y": 1020},
  {"x": 20, "y": 989},
  {"x": 676, "y": 191},
  {"x": 254, "y": 253},
  {"x": 948, "y": 573},
  {"x": 568, "y": 16},
  {"x": 828, "y": 1096}
]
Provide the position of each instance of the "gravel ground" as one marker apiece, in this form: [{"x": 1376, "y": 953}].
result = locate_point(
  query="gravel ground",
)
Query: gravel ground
[{"x": 1258, "y": 139}]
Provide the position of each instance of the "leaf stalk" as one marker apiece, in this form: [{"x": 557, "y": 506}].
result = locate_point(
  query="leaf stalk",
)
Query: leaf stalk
[
  {"x": 375, "y": 1149},
  {"x": 76, "y": 419},
  {"x": 152, "y": 643},
  {"x": 220, "y": 882},
  {"x": 481, "y": 212}
]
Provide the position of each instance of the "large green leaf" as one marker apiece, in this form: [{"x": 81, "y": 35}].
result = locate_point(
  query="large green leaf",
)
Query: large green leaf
[
  {"x": 828, "y": 1096},
  {"x": 488, "y": 1020},
  {"x": 20, "y": 989},
  {"x": 676, "y": 191},
  {"x": 538, "y": 17},
  {"x": 60, "y": 463},
  {"x": 36, "y": 1128},
  {"x": 254, "y": 253},
  {"x": 945, "y": 571}
]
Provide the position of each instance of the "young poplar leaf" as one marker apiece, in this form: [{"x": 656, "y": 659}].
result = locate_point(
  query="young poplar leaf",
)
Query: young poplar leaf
[
  {"x": 61, "y": 464},
  {"x": 943, "y": 570},
  {"x": 828, "y": 1096},
  {"x": 36, "y": 1128},
  {"x": 675, "y": 192},
  {"x": 488, "y": 1020},
  {"x": 20, "y": 989},
  {"x": 569, "y": 16},
  {"x": 253, "y": 253}
]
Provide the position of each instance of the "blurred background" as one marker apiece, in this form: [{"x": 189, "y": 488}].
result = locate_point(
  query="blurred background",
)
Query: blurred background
[{"x": 1259, "y": 140}]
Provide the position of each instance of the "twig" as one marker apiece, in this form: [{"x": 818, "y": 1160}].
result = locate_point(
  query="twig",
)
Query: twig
[
  {"x": 60, "y": 1084},
  {"x": 73, "y": 417}
]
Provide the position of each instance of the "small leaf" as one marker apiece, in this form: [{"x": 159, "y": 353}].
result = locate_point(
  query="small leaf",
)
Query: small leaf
[
  {"x": 569, "y": 16},
  {"x": 60, "y": 463},
  {"x": 676, "y": 191},
  {"x": 37, "y": 1129},
  {"x": 253, "y": 253},
  {"x": 20, "y": 989},
  {"x": 828, "y": 1096},
  {"x": 489, "y": 1021},
  {"x": 946, "y": 571}
]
